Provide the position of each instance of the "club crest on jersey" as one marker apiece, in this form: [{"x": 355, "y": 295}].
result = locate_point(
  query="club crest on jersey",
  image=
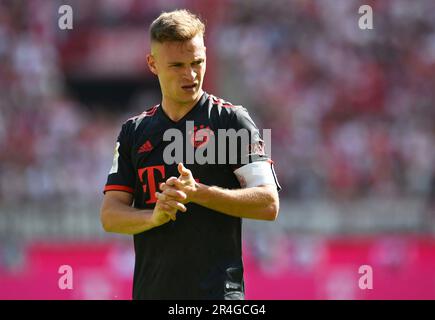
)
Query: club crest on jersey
[
  {"x": 202, "y": 145},
  {"x": 201, "y": 136}
]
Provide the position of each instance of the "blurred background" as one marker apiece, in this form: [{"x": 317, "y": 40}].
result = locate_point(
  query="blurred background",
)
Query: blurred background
[{"x": 353, "y": 129}]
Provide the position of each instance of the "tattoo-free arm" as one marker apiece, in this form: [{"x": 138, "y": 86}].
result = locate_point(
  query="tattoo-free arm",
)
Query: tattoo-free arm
[
  {"x": 117, "y": 215},
  {"x": 260, "y": 203}
]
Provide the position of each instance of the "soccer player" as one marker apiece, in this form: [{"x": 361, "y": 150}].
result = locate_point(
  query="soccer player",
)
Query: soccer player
[{"x": 186, "y": 218}]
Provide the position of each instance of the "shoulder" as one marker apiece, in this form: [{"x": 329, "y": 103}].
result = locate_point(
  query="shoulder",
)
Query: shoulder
[
  {"x": 129, "y": 127},
  {"x": 223, "y": 109},
  {"x": 132, "y": 123},
  {"x": 220, "y": 103},
  {"x": 232, "y": 116}
]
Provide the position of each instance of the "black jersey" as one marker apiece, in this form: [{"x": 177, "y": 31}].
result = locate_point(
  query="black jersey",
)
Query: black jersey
[{"x": 198, "y": 256}]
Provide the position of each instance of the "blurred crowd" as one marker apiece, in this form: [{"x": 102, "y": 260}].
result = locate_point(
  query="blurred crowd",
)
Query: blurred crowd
[
  {"x": 351, "y": 111},
  {"x": 51, "y": 146}
]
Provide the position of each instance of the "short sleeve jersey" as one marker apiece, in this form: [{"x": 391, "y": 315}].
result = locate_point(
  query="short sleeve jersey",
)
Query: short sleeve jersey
[{"x": 198, "y": 256}]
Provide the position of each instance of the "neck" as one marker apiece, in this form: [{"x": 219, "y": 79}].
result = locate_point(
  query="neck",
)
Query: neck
[{"x": 175, "y": 111}]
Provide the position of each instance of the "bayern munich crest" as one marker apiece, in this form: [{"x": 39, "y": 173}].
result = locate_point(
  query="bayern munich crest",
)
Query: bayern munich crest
[{"x": 200, "y": 136}]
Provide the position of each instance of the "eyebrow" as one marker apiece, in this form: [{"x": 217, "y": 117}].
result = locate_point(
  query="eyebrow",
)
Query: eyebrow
[{"x": 181, "y": 63}]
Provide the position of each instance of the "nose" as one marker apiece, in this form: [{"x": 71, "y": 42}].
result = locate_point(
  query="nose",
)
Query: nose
[{"x": 189, "y": 74}]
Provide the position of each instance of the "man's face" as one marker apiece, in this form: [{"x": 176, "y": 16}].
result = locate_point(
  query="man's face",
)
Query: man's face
[{"x": 180, "y": 67}]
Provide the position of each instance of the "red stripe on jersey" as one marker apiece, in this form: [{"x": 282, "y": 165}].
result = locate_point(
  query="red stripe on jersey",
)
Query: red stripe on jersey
[
  {"x": 221, "y": 102},
  {"x": 151, "y": 111},
  {"x": 148, "y": 113},
  {"x": 116, "y": 187}
]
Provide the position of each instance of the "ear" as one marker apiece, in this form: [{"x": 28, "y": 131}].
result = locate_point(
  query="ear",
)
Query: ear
[{"x": 151, "y": 63}]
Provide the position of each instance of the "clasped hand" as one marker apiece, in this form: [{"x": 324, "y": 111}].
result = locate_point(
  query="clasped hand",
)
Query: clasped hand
[{"x": 176, "y": 192}]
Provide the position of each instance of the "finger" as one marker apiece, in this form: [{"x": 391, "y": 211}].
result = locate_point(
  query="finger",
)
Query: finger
[
  {"x": 171, "y": 194},
  {"x": 168, "y": 210},
  {"x": 175, "y": 194},
  {"x": 175, "y": 183},
  {"x": 161, "y": 196},
  {"x": 170, "y": 181},
  {"x": 178, "y": 184},
  {"x": 165, "y": 207},
  {"x": 176, "y": 205},
  {"x": 173, "y": 216},
  {"x": 183, "y": 170},
  {"x": 164, "y": 186}
]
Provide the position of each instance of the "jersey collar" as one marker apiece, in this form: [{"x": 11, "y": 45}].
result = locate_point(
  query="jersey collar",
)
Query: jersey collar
[{"x": 188, "y": 115}]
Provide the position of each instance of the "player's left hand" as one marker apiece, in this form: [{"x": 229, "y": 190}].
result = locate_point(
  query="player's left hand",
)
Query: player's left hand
[{"x": 185, "y": 183}]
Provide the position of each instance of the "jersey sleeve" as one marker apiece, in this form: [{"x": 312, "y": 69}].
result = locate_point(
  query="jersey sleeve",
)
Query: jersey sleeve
[
  {"x": 254, "y": 167},
  {"x": 121, "y": 175}
]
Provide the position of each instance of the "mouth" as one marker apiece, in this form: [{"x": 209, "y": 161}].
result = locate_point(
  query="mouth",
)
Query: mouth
[{"x": 189, "y": 87}]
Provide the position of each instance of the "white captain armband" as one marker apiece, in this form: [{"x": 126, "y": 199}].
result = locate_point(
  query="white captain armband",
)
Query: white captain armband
[{"x": 256, "y": 174}]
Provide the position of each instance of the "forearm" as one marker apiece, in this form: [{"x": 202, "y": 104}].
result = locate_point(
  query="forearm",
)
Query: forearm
[
  {"x": 253, "y": 203},
  {"x": 120, "y": 218}
]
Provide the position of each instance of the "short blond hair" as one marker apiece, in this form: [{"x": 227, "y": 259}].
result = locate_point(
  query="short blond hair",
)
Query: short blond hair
[{"x": 177, "y": 25}]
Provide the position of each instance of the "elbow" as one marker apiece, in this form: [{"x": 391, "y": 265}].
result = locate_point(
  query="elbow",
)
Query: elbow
[
  {"x": 272, "y": 207},
  {"x": 272, "y": 211},
  {"x": 105, "y": 221},
  {"x": 272, "y": 203}
]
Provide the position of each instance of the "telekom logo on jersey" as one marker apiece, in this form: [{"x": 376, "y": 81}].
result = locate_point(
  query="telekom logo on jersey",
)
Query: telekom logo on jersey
[{"x": 150, "y": 184}]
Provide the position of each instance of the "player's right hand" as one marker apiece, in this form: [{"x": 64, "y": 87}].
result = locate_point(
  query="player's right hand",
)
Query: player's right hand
[
  {"x": 172, "y": 197},
  {"x": 167, "y": 206},
  {"x": 162, "y": 214},
  {"x": 184, "y": 184}
]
